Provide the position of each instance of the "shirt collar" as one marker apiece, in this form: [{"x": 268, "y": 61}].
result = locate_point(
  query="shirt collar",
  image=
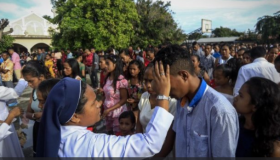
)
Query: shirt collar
[
  {"x": 199, "y": 94},
  {"x": 259, "y": 59}
]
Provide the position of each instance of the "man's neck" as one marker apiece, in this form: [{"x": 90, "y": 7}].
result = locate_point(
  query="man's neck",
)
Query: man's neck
[{"x": 195, "y": 84}]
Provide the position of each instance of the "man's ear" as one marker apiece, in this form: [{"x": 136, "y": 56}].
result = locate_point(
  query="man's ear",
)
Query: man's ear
[{"x": 184, "y": 75}]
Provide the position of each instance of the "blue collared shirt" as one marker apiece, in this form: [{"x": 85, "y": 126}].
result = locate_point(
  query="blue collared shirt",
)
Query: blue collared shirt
[{"x": 207, "y": 126}]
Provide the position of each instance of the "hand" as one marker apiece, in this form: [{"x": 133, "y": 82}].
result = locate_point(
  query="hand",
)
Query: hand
[
  {"x": 78, "y": 78},
  {"x": 100, "y": 90},
  {"x": 161, "y": 82},
  {"x": 16, "y": 111},
  {"x": 38, "y": 115},
  {"x": 105, "y": 113},
  {"x": 130, "y": 100}
]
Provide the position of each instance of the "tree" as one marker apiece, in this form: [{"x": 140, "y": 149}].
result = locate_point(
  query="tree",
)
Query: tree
[
  {"x": 226, "y": 32},
  {"x": 195, "y": 36},
  {"x": 98, "y": 23},
  {"x": 7, "y": 41},
  {"x": 156, "y": 25},
  {"x": 269, "y": 26}
]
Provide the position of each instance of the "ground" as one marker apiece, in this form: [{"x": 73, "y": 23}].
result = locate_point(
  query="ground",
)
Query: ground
[{"x": 23, "y": 103}]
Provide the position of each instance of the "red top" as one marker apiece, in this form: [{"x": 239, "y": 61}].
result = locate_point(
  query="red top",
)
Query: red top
[
  {"x": 88, "y": 59},
  {"x": 64, "y": 57}
]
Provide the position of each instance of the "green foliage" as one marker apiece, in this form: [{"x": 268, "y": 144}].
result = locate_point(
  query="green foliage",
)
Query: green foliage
[
  {"x": 269, "y": 26},
  {"x": 7, "y": 41},
  {"x": 226, "y": 32},
  {"x": 195, "y": 36},
  {"x": 98, "y": 23},
  {"x": 156, "y": 24}
]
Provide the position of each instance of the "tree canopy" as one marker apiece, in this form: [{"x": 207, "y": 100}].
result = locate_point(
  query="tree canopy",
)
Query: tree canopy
[
  {"x": 98, "y": 23},
  {"x": 269, "y": 26},
  {"x": 226, "y": 32},
  {"x": 156, "y": 24},
  {"x": 6, "y": 42},
  {"x": 118, "y": 23}
]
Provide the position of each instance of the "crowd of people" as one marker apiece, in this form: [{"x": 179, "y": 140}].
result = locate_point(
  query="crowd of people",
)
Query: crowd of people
[{"x": 189, "y": 100}]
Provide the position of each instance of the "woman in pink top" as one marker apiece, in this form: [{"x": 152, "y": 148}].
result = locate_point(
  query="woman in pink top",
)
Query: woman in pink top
[{"x": 115, "y": 90}]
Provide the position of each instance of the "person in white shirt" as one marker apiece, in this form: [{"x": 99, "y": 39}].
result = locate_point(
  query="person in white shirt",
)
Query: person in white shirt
[
  {"x": 9, "y": 142},
  {"x": 260, "y": 67},
  {"x": 72, "y": 105}
]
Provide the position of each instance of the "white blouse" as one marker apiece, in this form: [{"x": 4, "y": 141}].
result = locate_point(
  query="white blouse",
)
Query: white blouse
[
  {"x": 146, "y": 112},
  {"x": 77, "y": 141}
]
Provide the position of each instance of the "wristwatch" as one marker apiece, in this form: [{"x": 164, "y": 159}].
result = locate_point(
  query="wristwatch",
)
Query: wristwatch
[{"x": 162, "y": 97}]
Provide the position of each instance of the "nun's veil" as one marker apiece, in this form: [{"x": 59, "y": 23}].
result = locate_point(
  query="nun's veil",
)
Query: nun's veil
[{"x": 60, "y": 106}]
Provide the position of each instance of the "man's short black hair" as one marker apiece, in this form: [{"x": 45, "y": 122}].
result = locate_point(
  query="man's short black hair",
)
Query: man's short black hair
[
  {"x": 177, "y": 58},
  {"x": 258, "y": 52},
  {"x": 194, "y": 43}
]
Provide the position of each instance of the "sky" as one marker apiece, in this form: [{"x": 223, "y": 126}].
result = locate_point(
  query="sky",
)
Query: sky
[{"x": 235, "y": 14}]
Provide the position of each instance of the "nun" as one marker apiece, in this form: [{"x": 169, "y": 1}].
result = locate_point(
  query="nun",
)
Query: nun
[
  {"x": 71, "y": 106},
  {"x": 9, "y": 142}
]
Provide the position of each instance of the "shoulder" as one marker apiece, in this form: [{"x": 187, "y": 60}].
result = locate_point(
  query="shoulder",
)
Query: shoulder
[
  {"x": 218, "y": 103},
  {"x": 145, "y": 95}
]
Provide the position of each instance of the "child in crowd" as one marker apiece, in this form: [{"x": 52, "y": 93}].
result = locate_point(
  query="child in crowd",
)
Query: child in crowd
[
  {"x": 126, "y": 59},
  {"x": 199, "y": 70},
  {"x": 140, "y": 57},
  {"x": 71, "y": 69},
  {"x": 102, "y": 66},
  {"x": 246, "y": 57},
  {"x": 49, "y": 65},
  {"x": 150, "y": 54},
  {"x": 223, "y": 81},
  {"x": 44, "y": 89},
  {"x": 115, "y": 90},
  {"x": 82, "y": 67},
  {"x": 148, "y": 100},
  {"x": 127, "y": 123},
  {"x": 135, "y": 88},
  {"x": 258, "y": 103}
]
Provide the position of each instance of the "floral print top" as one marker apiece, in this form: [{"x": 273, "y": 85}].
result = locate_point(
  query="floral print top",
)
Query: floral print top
[{"x": 112, "y": 97}]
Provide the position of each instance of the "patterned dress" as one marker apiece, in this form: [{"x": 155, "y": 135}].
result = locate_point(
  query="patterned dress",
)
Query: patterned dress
[
  {"x": 112, "y": 97},
  {"x": 135, "y": 92}
]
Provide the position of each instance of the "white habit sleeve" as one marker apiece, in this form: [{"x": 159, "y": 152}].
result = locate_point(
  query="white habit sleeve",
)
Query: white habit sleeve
[
  {"x": 4, "y": 131},
  {"x": 137, "y": 145}
]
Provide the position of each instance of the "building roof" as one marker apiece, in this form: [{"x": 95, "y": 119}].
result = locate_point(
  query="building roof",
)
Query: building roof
[{"x": 217, "y": 39}]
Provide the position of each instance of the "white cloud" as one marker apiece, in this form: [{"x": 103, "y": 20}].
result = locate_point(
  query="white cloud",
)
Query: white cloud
[{"x": 40, "y": 7}]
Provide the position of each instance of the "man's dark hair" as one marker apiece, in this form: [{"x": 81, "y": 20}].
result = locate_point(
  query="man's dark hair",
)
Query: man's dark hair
[
  {"x": 177, "y": 58},
  {"x": 258, "y": 52},
  {"x": 194, "y": 43},
  {"x": 277, "y": 59},
  {"x": 242, "y": 49}
]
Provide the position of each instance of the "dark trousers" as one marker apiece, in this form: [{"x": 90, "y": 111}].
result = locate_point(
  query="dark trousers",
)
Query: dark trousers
[
  {"x": 94, "y": 78},
  {"x": 9, "y": 84},
  {"x": 35, "y": 135}
]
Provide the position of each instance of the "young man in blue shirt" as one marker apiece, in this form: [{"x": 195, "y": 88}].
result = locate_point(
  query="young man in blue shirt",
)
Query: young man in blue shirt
[{"x": 206, "y": 124}]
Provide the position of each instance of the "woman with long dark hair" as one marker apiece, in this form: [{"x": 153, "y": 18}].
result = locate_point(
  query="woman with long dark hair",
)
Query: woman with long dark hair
[
  {"x": 115, "y": 90},
  {"x": 72, "y": 69},
  {"x": 34, "y": 73}
]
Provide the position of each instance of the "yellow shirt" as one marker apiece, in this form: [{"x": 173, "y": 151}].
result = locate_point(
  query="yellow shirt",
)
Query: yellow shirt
[
  {"x": 7, "y": 65},
  {"x": 49, "y": 65}
]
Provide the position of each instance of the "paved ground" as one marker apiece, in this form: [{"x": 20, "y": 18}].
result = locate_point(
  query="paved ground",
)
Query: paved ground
[{"x": 23, "y": 102}]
